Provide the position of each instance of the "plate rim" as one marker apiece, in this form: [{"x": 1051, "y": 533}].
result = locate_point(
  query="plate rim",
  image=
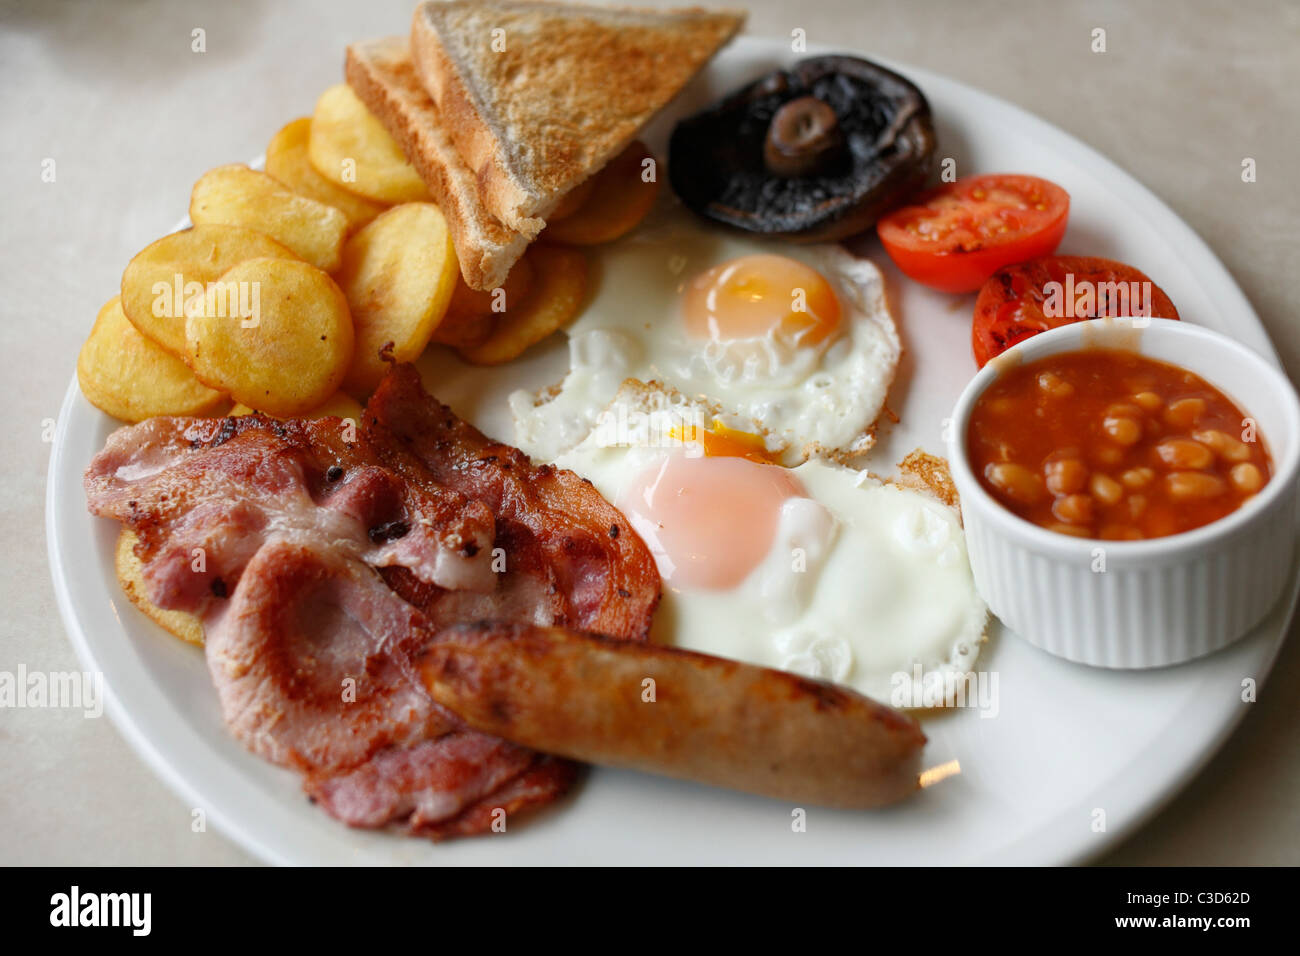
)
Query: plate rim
[
  {"x": 1211, "y": 273},
  {"x": 119, "y": 714}
]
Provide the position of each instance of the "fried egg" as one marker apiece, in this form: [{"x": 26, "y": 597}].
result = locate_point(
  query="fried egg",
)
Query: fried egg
[
  {"x": 796, "y": 346},
  {"x": 816, "y": 569}
]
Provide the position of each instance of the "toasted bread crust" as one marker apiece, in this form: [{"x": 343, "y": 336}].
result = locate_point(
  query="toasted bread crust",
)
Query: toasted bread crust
[
  {"x": 380, "y": 72},
  {"x": 571, "y": 88},
  {"x": 473, "y": 138}
]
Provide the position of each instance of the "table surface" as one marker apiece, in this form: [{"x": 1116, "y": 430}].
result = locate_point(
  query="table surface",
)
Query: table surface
[{"x": 113, "y": 93}]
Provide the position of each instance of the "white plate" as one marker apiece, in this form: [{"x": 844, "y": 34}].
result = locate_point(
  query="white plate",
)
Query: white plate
[{"x": 1069, "y": 741}]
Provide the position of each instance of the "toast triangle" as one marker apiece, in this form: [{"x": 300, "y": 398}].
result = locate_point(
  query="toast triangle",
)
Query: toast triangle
[
  {"x": 380, "y": 73},
  {"x": 538, "y": 96}
]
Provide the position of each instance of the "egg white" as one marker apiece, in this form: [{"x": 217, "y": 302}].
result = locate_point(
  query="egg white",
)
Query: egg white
[
  {"x": 866, "y": 583},
  {"x": 804, "y": 400}
]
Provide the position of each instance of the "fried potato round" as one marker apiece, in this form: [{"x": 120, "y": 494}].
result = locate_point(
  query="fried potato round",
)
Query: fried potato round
[
  {"x": 132, "y": 378},
  {"x": 472, "y": 314},
  {"x": 573, "y": 200},
  {"x": 235, "y": 195},
  {"x": 286, "y": 160},
  {"x": 559, "y": 287},
  {"x": 398, "y": 274},
  {"x": 351, "y": 148},
  {"x": 130, "y": 575},
  {"x": 278, "y": 336},
  {"x": 165, "y": 274},
  {"x": 338, "y": 405},
  {"x": 465, "y": 330},
  {"x": 619, "y": 199}
]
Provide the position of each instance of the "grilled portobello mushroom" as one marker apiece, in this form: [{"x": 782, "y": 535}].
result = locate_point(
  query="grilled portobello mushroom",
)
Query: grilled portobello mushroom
[{"x": 815, "y": 153}]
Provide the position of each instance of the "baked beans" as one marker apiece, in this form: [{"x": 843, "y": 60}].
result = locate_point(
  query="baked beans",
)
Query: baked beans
[{"x": 1105, "y": 443}]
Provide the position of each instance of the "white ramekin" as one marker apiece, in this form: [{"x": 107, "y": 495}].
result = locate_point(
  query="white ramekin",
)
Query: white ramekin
[{"x": 1131, "y": 604}]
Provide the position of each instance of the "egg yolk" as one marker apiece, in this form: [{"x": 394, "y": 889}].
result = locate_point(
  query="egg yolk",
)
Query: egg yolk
[
  {"x": 719, "y": 441},
  {"x": 757, "y": 295},
  {"x": 708, "y": 521}
]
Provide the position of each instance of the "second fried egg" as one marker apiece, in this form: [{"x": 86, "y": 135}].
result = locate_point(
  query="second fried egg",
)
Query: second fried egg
[{"x": 816, "y": 569}]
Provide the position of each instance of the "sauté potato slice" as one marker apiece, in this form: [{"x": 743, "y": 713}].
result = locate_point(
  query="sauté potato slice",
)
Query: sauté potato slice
[
  {"x": 618, "y": 199},
  {"x": 472, "y": 314},
  {"x": 166, "y": 273},
  {"x": 559, "y": 288},
  {"x": 279, "y": 340},
  {"x": 398, "y": 275},
  {"x": 235, "y": 195},
  {"x": 339, "y": 405},
  {"x": 286, "y": 160},
  {"x": 351, "y": 148},
  {"x": 130, "y": 576},
  {"x": 133, "y": 378},
  {"x": 572, "y": 201}
]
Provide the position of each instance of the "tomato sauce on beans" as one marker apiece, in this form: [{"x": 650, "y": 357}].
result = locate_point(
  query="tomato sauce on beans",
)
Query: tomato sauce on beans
[{"x": 1110, "y": 444}]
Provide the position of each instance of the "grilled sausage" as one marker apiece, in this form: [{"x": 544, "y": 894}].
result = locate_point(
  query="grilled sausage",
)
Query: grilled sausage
[{"x": 674, "y": 712}]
